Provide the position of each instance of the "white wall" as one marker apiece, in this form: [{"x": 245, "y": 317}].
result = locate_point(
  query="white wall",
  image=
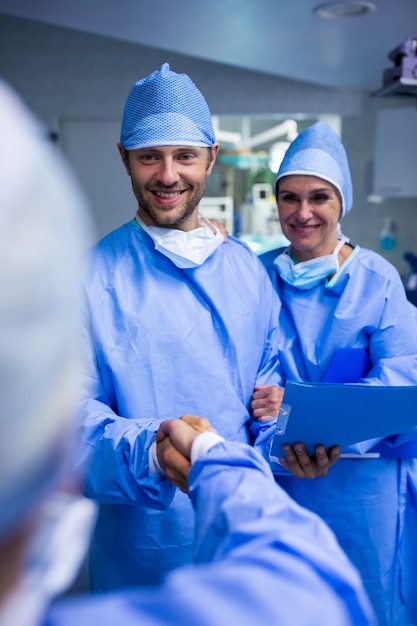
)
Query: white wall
[{"x": 90, "y": 146}]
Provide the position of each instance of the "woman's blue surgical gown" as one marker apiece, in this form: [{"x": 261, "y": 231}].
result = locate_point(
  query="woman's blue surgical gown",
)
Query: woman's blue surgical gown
[
  {"x": 259, "y": 559},
  {"x": 369, "y": 503},
  {"x": 161, "y": 342}
]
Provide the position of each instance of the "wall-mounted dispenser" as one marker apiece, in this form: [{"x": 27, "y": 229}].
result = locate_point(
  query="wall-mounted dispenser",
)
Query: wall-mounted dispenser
[{"x": 387, "y": 236}]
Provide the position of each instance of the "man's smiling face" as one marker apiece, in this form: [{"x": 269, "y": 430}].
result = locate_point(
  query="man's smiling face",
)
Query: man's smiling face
[{"x": 169, "y": 182}]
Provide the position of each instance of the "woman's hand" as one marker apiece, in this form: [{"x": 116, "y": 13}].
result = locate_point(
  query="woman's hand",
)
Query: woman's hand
[{"x": 301, "y": 465}]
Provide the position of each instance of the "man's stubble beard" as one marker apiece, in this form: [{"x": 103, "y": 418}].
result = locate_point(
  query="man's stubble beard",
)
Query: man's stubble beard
[{"x": 157, "y": 215}]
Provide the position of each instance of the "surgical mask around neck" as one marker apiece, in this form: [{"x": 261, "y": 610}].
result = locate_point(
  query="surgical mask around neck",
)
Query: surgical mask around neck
[
  {"x": 185, "y": 249},
  {"x": 308, "y": 274}
]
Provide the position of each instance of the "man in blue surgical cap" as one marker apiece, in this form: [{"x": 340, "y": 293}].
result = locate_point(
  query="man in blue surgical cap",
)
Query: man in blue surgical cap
[
  {"x": 267, "y": 546},
  {"x": 345, "y": 318},
  {"x": 177, "y": 322}
]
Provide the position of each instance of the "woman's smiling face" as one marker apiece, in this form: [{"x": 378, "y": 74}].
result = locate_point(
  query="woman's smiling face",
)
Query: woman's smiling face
[{"x": 309, "y": 210}]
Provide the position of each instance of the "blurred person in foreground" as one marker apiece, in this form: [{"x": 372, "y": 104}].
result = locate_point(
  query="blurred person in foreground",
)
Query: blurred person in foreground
[{"x": 259, "y": 557}]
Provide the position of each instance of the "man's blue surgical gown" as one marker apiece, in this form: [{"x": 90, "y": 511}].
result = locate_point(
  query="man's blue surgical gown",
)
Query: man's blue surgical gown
[
  {"x": 162, "y": 342},
  {"x": 369, "y": 503},
  {"x": 259, "y": 559}
]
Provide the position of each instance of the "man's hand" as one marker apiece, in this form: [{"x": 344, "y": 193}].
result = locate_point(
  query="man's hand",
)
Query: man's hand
[
  {"x": 173, "y": 446},
  {"x": 266, "y": 402},
  {"x": 301, "y": 465}
]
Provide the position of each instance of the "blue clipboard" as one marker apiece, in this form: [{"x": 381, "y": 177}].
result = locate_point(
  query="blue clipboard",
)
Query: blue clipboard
[{"x": 342, "y": 414}]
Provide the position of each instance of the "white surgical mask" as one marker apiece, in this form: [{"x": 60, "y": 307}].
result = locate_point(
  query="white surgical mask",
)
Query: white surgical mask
[
  {"x": 308, "y": 273},
  {"x": 55, "y": 554},
  {"x": 185, "y": 249}
]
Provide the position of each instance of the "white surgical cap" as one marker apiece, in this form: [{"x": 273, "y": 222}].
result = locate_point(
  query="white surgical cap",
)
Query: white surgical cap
[
  {"x": 42, "y": 221},
  {"x": 164, "y": 109}
]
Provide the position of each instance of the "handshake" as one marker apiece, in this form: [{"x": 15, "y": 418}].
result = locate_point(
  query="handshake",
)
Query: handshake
[
  {"x": 175, "y": 437},
  {"x": 174, "y": 440}
]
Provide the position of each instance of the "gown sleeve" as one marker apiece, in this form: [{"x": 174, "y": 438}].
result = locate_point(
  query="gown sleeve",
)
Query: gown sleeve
[
  {"x": 393, "y": 354},
  {"x": 269, "y": 371},
  {"x": 118, "y": 445},
  {"x": 393, "y": 344},
  {"x": 260, "y": 559}
]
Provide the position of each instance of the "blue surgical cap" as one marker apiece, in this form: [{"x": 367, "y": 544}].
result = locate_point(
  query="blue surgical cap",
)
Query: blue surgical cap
[
  {"x": 166, "y": 109},
  {"x": 318, "y": 151}
]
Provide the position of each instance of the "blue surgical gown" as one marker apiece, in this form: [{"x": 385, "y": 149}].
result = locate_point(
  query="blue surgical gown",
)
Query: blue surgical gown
[
  {"x": 369, "y": 503},
  {"x": 161, "y": 342},
  {"x": 259, "y": 559}
]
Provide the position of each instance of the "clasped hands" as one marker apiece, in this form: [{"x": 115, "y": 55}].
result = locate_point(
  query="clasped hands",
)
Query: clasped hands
[
  {"x": 175, "y": 437},
  {"x": 173, "y": 446},
  {"x": 265, "y": 405}
]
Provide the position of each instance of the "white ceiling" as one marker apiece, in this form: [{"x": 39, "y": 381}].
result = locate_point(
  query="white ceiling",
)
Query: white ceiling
[{"x": 279, "y": 37}]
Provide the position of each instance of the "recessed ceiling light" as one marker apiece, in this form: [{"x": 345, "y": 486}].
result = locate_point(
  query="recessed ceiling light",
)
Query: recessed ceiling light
[{"x": 340, "y": 10}]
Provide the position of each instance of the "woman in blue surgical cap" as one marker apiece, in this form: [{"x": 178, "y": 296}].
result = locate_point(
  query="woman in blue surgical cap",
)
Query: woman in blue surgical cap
[{"x": 337, "y": 296}]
